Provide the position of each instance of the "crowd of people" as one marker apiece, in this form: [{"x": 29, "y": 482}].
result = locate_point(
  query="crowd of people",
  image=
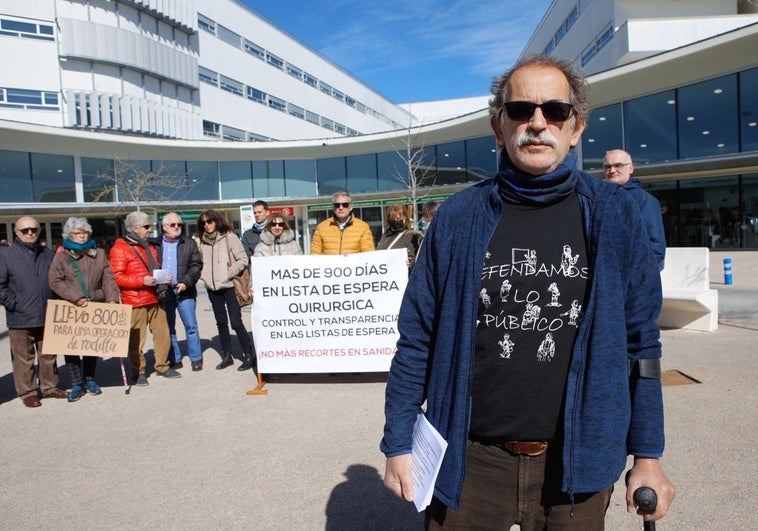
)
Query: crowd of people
[{"x": 158, "y": 277}]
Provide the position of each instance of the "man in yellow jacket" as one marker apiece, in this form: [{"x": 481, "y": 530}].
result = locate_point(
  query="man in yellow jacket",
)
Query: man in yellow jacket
[{"x": 343, "y": 233}]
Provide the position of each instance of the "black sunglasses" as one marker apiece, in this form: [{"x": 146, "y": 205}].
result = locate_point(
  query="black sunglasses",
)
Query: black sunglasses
[
  {"x": 146, "y": 227},
  {"x": 343, "y": 205},
  {"x": 204, "y": 222},
  {"x": 27, "y": 230},
  {"x": 553, "y": 111},
  {"x": 278, "y": 224},
  {"x": 175, "y": 225}
]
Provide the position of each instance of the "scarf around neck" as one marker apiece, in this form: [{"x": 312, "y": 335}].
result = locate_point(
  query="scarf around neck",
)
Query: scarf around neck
[
  {"x": 71, "y": 245},
  {"x": 519, "y": 188},
  {"x": 209, "y": 238}
]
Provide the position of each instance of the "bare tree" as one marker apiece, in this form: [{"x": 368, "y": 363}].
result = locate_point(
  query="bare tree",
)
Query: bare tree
[
  {"x": 140, "y": 182},
  {"x": 417, "y": 169}
]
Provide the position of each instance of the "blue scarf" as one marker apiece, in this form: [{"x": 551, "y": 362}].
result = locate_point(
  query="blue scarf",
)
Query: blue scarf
[
  {"x": 519, "y": 188},
  {"x": 70, "y": 245}
]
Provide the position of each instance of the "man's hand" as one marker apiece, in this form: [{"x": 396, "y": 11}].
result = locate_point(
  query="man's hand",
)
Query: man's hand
[
  {"x": 148, "y": 280},
  {"x": 647, "y": 472},
  {"x": 398, "y": 477},
  {"x": 180, "y": 287}
]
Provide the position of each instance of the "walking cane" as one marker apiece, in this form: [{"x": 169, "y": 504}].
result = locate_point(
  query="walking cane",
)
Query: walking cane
[{"x": 646, "y": 500}]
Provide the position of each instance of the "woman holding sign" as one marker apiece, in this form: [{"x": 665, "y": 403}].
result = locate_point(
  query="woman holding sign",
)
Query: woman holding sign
[
  {"x": 80, "y": 273},
  {"x": 224, "y": 257},
  {"x": 277, "y": 239}
]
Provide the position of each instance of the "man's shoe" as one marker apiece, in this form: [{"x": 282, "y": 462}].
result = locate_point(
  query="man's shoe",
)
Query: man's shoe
[
  {"x": 140, "y": 380},
  {"x": 56, "y": 393},
  {"x": 177, "y": 365},
  {"x": 197, "y": 365},
  {"x": 246, "y": 365},
  {"x": 32, "y": 401},
  {"x": 92, "y": 387},
  {"x": 169, "y": 373},
  {"x": 77, "y": 391}
]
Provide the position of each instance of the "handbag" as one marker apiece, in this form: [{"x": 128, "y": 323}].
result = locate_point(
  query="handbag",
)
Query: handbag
[{"x": 241, "y": 282}]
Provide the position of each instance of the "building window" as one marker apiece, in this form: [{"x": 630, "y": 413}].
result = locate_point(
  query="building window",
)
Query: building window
[
  {"x": 296, "y": 111},
  {"x": 294, "y": 72},
  {"x": 310, "y": 80},
  {"x": 277, "y": 104},
  {"x": 231, "y": 85},
  {"x": 227, "y": 35},
  {"x": 605, "y": 37},
  {"x": 207, "y": 76},
  {"x": 29, "y": 30},
  {"x": 206, "y": 23},
  {"x": 326, "y": 89},
  {"x": 255, "y": 50},
  {"x": 274, "y": 61},
  {"x": 211, "y": 129},
  {"x": 312, "y": 117},
  {"x": 256, "y": 95}
]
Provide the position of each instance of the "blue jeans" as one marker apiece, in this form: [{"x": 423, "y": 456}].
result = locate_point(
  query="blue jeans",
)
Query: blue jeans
[{"x": 187, "y": 308}]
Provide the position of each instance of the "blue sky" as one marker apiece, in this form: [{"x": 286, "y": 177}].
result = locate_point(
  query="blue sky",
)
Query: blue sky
[{"x": 412, "y": 50}]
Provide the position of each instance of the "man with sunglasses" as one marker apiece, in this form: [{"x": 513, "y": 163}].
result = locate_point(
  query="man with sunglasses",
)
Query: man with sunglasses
[
  {"x": 182, "y": 258},
  {"x": 528, "y": 330},
  {"x": 24, "y": 291},
  {"x": 618, "y": 169},
  {"x": 343, "y": 233}
]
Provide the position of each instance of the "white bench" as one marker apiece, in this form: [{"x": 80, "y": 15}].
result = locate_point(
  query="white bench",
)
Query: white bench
[{"x": 688, "y": 300}]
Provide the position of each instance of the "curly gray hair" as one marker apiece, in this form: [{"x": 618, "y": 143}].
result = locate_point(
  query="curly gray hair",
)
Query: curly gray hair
[{"x": 73, "y": 224}]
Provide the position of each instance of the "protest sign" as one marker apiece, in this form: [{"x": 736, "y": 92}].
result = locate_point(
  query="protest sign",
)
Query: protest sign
[
  {"x": 316, "y": 313},
  {"x": 98, "y": 329}
]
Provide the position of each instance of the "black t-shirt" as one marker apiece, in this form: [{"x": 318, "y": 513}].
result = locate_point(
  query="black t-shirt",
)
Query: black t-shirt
[{"x": 533, "y": 290}]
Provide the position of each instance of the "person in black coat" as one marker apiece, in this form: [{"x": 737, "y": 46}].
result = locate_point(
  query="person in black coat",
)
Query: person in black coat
[
  {"x": 24, "y": 291},
  {"x": 182, "y": 258}
]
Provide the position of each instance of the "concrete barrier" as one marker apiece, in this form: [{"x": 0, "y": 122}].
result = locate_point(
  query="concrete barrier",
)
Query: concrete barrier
[{"x": 688, "y": 300}]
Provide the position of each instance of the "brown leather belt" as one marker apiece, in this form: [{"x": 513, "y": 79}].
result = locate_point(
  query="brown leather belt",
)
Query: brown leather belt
[{"x": 528, "y": 448}]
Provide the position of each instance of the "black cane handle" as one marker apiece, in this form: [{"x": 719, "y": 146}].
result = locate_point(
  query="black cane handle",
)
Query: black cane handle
[{"x": 646, "y": 499}]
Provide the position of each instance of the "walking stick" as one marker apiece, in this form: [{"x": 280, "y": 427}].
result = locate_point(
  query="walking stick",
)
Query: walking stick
[
  {"x": 646, "y": 500},
  {"x": 123, "y": 376}
]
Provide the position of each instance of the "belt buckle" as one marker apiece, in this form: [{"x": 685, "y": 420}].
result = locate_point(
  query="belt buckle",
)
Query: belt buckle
[{"x": 516, "y": 448}]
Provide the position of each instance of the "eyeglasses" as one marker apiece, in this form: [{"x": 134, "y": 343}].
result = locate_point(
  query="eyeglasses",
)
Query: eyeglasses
[
  {"x": 278, "y": 224},
  {"x": 617, "y": 166},
  {"x": 175, "y": 225},
  {"x": 338, "y": 205},
  {"x": 146, "y": 227},
  {"x": 27, "y": 230},
  {"x": 553, "y": 111},
  {"x": 204, "y": 222}
]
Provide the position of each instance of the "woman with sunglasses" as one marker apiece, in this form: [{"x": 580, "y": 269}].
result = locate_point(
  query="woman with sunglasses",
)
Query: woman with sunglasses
[
  {"x": 224, "y": 257},
  {"x": 277, "y": 239},
  {"x": 80, "y": 273}
]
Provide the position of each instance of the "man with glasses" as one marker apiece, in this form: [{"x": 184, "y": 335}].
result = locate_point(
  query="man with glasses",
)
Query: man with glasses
[
  {"x": 528, "y": 330},
  {"x": 252, "y": 236},
  {"x": 133, "y": 260},
  {"x": 618, "y": 169},
  {"x": 24, "y": 291},
  {"x": 182, "y": 258},
  {"x": 343, "y": 233}
]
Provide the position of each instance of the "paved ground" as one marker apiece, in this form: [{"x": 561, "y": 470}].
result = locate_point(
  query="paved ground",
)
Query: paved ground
[{"x": 198, "y": 453}]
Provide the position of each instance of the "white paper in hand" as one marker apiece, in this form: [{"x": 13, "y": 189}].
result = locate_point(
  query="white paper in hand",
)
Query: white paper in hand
[
  {"x": 161, "y": 275},
  {"x": 428, "y": 450}
]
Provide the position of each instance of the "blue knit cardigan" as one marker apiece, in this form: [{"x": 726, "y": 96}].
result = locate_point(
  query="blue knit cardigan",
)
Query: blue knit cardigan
[{"x": 607, "y": 415}]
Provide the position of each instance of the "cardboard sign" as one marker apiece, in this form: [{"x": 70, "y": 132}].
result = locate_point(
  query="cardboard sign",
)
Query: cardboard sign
[
  {"x": 327, "y": 313},
  {"x": 99, "y": 329}
]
